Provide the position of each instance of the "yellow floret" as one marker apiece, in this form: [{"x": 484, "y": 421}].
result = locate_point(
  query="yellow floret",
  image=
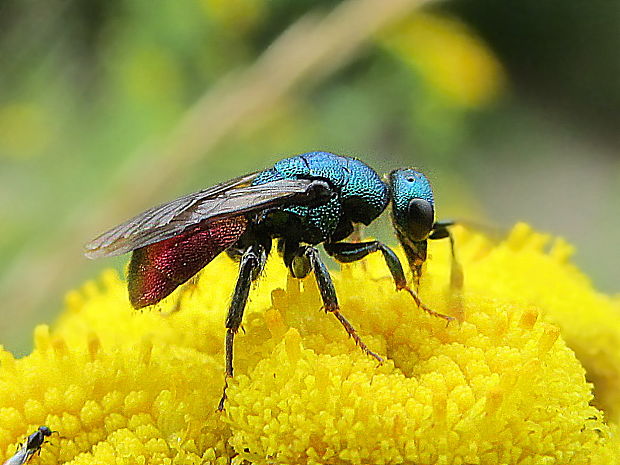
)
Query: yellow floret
[
  {"x": 500, "y": 387},
  {"x": 589, "y": 321}
]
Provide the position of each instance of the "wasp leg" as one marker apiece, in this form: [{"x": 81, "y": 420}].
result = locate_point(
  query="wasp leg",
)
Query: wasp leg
[
  {"x": 188, "y": 288},
  {"x": 252, "y": 262},
  {"x": 356, "y": 236},
  {"x": 349, "y": 252},
  {"x": 328, "y": 293},
  {"x": 441, "y": 231}
]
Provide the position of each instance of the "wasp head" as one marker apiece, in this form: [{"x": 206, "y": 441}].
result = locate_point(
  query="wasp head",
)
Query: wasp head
[
  {"x": 413, "y": 213},
  {"x": 413, "y": 208},
  {"x": 45, "y": 431}
]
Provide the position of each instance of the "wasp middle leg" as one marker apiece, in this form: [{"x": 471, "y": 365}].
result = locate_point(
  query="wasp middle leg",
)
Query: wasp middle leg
[{"x": 304, "y": 259}]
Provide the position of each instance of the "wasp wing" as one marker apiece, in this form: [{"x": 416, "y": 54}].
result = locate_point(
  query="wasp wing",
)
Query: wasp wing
[
  {"x": 228, "y": 199},
  {"x": 21, "y": 457},
  {"x": 155, "y": 217}
]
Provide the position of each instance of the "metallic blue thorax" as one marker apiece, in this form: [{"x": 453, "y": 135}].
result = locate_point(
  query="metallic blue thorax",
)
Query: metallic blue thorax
[{"x": 361, "y": 194}]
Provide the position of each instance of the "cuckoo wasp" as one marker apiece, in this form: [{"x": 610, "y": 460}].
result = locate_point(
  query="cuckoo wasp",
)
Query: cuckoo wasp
[
  {"x": 33, "y": 444},
  {"x": 302, "y": 201}
]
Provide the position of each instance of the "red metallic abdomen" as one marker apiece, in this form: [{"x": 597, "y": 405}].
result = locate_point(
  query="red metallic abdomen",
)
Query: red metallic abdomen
[{"x": 158, "y": 269}]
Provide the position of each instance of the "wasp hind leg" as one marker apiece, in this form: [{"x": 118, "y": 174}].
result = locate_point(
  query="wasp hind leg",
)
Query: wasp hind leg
[
  {"x": 252, "y": 262},
  {"x": 347, "y": 252},
  {"x": 306, "y": 259},
  {"x": 187, "y": 290}
]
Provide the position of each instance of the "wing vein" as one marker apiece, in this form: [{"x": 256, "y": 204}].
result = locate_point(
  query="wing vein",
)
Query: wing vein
[{"x": 232, "y": 198}]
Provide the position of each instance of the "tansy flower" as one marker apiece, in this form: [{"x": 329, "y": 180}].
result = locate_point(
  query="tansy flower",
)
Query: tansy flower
[{"x": 506, "y": 385}]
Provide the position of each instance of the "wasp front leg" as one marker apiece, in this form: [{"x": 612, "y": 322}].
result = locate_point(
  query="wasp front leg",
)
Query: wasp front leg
[
  {"x": 347, "y": 252},
  {"x": 441, "y": 231},
  {"x": 252, "y": 262}
]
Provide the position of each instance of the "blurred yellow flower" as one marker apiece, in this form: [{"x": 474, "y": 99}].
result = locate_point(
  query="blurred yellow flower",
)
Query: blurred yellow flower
[
  {"x": 449, "y": 56},
  {"x": 501, "y": 387}
]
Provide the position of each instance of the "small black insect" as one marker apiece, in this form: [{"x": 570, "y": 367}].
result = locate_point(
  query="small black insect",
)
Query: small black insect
[
  {"x": 33, "y": 444},
  {"x": 302, "y": 201}
]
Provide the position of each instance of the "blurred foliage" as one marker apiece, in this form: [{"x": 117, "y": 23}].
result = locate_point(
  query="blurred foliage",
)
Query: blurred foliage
[
  {"x": 452, "y": 60},
  {"x": 465, "y": 90}
]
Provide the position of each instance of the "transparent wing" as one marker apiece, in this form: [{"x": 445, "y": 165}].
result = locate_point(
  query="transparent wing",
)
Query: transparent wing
[
  {"x": 20, "y": 457},
  {"x": 231, "y": 198}
]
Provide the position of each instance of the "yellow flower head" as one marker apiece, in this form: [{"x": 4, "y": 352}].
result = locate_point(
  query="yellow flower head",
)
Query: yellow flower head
[{"x": 500, "y": 387}]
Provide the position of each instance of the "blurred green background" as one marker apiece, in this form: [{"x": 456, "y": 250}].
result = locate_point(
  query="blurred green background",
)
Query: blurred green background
[{"x": 110, "y": 106}]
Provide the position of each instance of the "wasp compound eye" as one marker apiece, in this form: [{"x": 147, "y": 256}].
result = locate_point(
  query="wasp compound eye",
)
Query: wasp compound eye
[{"x": 420, "y": 218}]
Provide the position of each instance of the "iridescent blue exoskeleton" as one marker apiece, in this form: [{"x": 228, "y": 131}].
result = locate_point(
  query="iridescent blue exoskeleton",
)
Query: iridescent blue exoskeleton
[
  {"x": 413, "y": 217},
  {"x": 302, "y": 201},
  {"x": 33, "y": 444}
]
